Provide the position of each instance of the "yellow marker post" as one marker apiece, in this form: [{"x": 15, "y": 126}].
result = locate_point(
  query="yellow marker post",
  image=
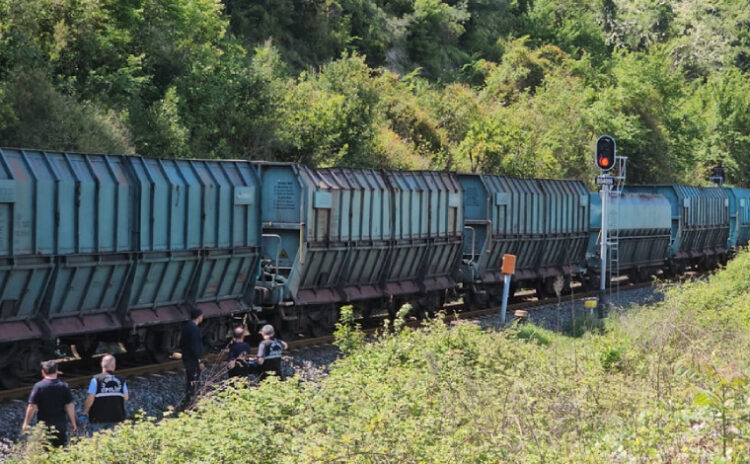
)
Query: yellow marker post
[{"x": 590, "y": 304}]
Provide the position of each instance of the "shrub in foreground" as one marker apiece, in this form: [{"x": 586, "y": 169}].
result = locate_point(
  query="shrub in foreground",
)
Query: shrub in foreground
[{"x": 644, "y": 388}]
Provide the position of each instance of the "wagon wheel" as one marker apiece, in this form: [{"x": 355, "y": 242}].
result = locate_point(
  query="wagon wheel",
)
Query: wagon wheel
[
  {"x": 157, "y": 345},
  {"x": 470, "y": 300},
  {"x": 25, "y": 363},
  {"x": 676, "y": 269},
  {"x": 513, "y": 289},
  {"x": 8, "y": 379},
  {"x": 541, "y": 291},
  {"x": 427, "y": 306},
  {"x": 215, "y": 334},
  {"x": 592, "y": 282},
  {"x": 643, "y": 274},
  {"x": 495, "y": 297},
  {"x": 86, "y": 348},
  {"x": 131, "y": 345},
  {"x": 318, "y": 321},
  {"x": 283, "y": 329}
]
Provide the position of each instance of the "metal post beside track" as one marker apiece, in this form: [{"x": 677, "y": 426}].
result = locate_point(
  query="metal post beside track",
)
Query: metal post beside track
[
  {"x": 603, "y": 247},
  {"x": 508, "y": 268},
  {"x": 506, "y": 290}
]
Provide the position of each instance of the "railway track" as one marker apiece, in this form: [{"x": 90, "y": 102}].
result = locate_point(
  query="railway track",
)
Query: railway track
[{"x": 176, "y": 364}]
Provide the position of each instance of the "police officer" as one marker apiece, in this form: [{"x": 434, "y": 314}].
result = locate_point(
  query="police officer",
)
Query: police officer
[
  {"x": 269, "y": 352},
  {"x": 52, "y": 401},
  {"x": 104, "y": 406},
  {"x": 191, "y": 344}
]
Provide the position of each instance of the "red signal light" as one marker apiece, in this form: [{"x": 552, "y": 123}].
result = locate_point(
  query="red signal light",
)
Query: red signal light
[{"x": 606, "y": 149}]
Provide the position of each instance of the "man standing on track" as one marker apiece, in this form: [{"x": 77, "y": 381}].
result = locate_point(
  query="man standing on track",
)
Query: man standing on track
[
  {"x": 52, "y": 400},
  {"x": 191, "y": 344},
  {"x": 105, "y": 403},
  {"x": 269, "y": 352}
]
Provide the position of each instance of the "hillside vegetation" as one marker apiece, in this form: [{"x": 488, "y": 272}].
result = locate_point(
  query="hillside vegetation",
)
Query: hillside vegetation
[
  {"x": 667, "y": 383},
  {"x": 519, "y": 87}
]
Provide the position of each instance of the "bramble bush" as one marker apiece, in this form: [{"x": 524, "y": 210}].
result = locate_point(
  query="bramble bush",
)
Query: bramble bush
[{"x": 666, "y": 383}]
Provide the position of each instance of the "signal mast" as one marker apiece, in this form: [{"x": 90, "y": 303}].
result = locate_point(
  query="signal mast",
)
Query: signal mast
[{"x": 605, "y": 157}]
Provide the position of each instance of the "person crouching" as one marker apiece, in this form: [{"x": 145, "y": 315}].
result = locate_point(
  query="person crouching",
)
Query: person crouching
[
  {"x": 238, "y": 364},
  {"x": 269, "y": 352}
]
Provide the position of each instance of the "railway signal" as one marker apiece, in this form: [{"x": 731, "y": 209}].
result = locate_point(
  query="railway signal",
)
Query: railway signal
[
  {"x": 605, "y": 156},
  {"x": 606, "y": 151}
]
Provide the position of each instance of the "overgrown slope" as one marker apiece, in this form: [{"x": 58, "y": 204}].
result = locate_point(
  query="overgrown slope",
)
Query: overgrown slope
[
  {"x": 660, "y": 384},
  {"x": 520, "y": 87}
]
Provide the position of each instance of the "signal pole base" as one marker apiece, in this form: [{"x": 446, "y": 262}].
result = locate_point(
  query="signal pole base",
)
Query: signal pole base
[{"x": 603, "y": 306}]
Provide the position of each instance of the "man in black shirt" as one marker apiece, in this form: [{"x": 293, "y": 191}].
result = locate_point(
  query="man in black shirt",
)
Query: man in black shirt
[
  {"x": 52, "y": 401},
  {"x": 104, "y": 406},
  {"x": 191, "y": 344},
  {"x": 269, "y": 352},
  {"x": 238, "y": 364}
]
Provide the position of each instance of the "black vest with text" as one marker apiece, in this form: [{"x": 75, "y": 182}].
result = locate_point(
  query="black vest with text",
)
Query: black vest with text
[{"x": 109, "y": 401}]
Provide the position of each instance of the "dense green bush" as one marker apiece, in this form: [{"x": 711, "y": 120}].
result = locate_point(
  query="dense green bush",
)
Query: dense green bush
[{"x": 667, "y": 383}]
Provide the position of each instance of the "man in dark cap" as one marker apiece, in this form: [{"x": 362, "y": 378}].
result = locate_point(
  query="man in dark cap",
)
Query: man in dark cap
[
  {"x": 191, "y": 344},
  {"x": 269, "y": 352},
  {"x": 52, "y": 401}
]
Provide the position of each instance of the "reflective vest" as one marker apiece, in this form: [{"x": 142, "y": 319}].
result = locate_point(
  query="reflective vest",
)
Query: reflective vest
[{"x": 109, "y": 400}]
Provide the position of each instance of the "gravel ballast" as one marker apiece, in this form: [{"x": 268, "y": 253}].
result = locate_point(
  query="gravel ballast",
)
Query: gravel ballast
[{"x": 557, "y": 316}]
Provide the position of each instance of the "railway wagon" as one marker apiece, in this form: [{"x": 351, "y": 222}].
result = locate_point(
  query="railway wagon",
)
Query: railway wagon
[
  {"x": 545, "y": 223},
  {"x": 700, "y": 224},
  {"x": 65, "y": 233},
  {"x": 641, "y": 224},
  {"x": 198, "y": 239},
  {"x": 370, "y": 237},
  {"x": 117, "y": 248},
  {"x": 739, "y": 217}
]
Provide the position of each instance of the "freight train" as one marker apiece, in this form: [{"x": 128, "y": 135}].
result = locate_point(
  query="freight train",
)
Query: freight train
[{"x": 102, "y": 248}]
